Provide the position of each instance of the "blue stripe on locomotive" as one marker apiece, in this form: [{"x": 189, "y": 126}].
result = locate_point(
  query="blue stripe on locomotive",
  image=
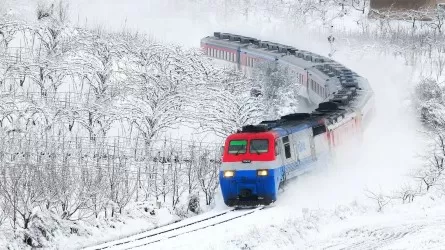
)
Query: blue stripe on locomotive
[{"x": 262, "y": 186}]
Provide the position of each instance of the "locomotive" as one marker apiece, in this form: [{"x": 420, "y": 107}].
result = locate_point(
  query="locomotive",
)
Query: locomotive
[{"x": 260, "y": 158}]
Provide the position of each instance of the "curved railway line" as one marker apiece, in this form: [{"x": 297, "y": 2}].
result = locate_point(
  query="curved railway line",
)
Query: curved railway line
[{"x": 345, "y": 102}]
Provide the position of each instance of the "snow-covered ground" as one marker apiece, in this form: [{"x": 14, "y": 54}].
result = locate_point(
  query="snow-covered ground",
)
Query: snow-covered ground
[
  {"x": 419, "y": 225},
  {"x": 327, "y": 209}
]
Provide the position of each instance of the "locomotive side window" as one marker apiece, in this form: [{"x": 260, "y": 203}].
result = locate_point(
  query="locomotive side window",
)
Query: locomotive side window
[
  {"x": 237, "y": 147},
  {"x": 320, "y": 129},
  {"x": 259, "y": 146},
  {"x": 287, "y": 151}
]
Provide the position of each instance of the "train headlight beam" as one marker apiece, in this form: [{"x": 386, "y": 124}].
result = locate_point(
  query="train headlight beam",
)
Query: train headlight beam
[
  {"x": 229, "y": 173},
  {"x": 262, "y": 172}
]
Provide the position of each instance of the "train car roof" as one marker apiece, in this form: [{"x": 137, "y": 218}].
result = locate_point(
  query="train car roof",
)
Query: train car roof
[{"x": 347, "y": 90}]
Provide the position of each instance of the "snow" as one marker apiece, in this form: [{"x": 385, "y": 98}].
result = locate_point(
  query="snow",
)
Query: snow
[
  {"x": 134, "y": 222},
  {"x": 327, "y": 208},
  {"x": 384, "y": 161},
  {"x": 414, "y": 226}
]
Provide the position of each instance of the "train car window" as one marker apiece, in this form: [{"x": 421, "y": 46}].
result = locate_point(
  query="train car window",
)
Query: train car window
[
  {"x": 259, "y": 146},
  {"x": 286, "y": 139},
  {"x": 237, "y": 147}
]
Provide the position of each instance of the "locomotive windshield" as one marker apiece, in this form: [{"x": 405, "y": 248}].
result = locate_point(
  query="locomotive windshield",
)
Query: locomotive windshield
[
  {"x": 259, "y": 146},
  {"x": 237, "y": 146}
]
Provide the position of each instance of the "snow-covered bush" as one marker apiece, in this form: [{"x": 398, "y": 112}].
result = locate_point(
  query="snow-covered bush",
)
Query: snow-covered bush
[
  {"x": 194, "y": 205},
  {"x": 429, "y": 100}
]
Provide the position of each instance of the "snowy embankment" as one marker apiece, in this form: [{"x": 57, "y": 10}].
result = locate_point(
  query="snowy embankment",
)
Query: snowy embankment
[
  {"x": 419, "y": 225},
  {"x": 329, "y": 208}
]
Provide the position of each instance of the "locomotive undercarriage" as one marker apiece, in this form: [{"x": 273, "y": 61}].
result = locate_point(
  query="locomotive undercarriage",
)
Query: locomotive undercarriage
[{"x": 247, "y": 199}]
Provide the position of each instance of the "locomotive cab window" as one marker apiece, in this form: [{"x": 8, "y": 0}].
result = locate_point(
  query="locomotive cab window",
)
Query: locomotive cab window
[
  {"x": 259, "y": 146},
  {"x": 237, "y": 147}
]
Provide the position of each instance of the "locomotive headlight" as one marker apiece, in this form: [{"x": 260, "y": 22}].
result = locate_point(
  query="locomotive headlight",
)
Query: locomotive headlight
[
  {"x": 229, "y": 173},
  {"x": 262, "y": 172}
]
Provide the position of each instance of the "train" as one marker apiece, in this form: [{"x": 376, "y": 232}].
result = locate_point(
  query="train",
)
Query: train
[{"x": 260, "y": 158}]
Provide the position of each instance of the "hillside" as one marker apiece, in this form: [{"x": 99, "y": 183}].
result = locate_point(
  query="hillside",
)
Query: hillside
[{"x": 337, "y": 207}]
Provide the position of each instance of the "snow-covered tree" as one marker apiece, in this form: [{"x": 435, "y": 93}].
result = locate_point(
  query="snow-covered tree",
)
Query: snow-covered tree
[
  {"x": 161, "y": 77},
  {"x": 280, "y": 89},
  {"x": 225, "y": 104}
]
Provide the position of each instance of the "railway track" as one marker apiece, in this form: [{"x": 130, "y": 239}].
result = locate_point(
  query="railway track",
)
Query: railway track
[{"x": 175, "y": 230}]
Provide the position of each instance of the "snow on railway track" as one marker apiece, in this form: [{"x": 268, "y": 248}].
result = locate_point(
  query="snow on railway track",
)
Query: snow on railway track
[{"x": 175, "y": 229}]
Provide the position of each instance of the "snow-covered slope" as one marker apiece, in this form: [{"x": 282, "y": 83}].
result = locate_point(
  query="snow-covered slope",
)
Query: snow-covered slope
[
  {"x": 328, "y": 208},
  {"x": 315, "y": 211}
]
